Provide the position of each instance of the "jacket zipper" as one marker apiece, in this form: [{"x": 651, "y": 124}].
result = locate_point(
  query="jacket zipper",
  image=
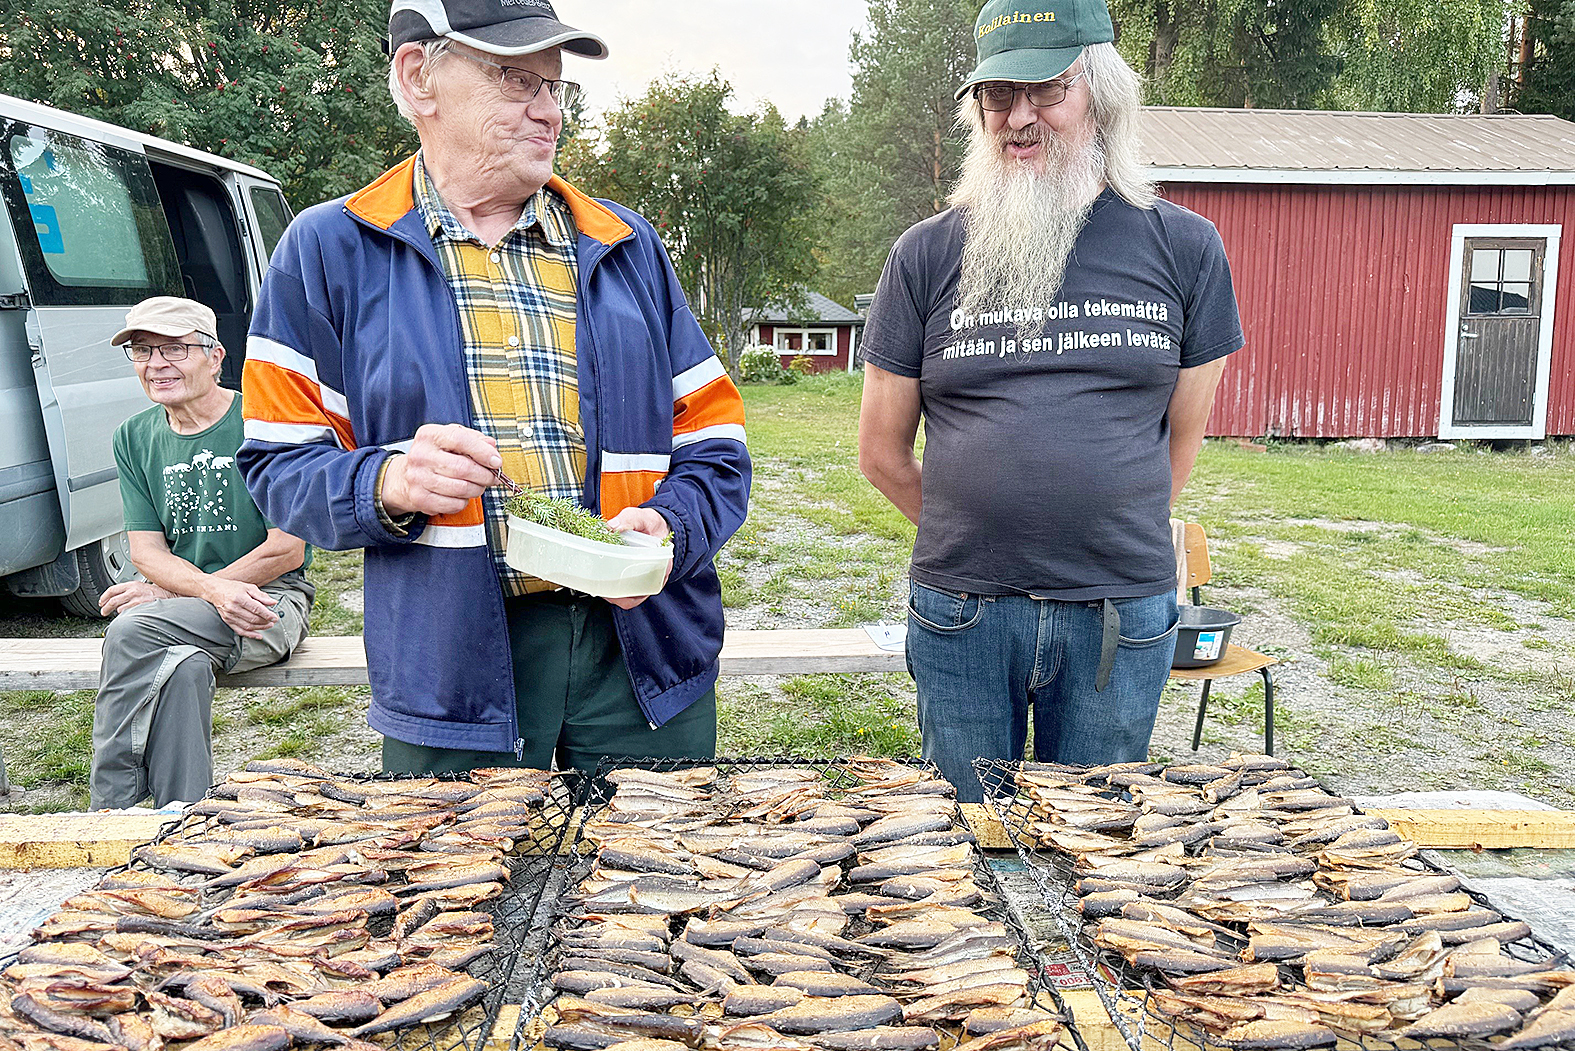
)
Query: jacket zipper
[
  {"x": 584, "y": 318},
  {"x": 464, "y": 383}
]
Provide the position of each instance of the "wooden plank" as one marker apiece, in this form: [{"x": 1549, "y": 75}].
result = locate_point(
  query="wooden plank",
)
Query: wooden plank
[
  {"x": 982, "y": 822},
  {"x": 340, "y": 660},
  {"x": 68, "y": 841},
  {"x": 49, "y": 664},
  {"x": 799, "y": 651},
  {"x": 501, "y": 1038},
  {"x": 1453, "y": 829},
  {"x": 1461, "y": 829},
  {"x": 72, "y": 664},
  {"x": 1094, "y": 1024}
]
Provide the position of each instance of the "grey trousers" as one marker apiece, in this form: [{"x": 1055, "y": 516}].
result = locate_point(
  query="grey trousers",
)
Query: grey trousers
[{"x": 152, "y": 723}]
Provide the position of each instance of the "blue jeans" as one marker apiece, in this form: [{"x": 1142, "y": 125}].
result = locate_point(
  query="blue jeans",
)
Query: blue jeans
[{"x": 980, "y": 662}]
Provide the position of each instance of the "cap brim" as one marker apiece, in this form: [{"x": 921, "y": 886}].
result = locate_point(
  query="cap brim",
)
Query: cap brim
[
  {"x": 158, "y": 329},
  {"x": 526, "y": 36},
  {"x": 1027, "y": 65}
]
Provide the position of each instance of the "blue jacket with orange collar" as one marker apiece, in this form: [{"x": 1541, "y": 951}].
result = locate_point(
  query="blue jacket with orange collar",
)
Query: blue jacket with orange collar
[{"x": 355, "y": 343}]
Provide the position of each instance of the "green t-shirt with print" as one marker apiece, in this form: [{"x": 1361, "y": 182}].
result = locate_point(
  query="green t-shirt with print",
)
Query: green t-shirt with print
[{"x": 187, "y": 487}]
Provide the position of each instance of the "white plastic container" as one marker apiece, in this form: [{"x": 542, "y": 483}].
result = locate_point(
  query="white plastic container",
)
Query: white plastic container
[{"x": 637, "y": 567}]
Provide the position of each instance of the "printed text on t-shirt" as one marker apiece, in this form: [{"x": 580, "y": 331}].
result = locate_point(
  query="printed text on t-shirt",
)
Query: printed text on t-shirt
[{"x": 1062, "y": 341}]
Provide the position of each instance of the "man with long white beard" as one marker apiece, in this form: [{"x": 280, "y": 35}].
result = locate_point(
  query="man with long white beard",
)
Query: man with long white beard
[{"x": 1062, "y": 333}]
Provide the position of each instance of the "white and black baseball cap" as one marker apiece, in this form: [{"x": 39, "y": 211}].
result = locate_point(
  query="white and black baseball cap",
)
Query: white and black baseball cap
[{"x": 499, "y": 27}]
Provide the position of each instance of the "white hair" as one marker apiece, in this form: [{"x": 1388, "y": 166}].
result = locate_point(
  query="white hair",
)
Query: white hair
[
  {"x": 1115, "y": 92},
  {"x": 1115, "y": 96},
  {"x": 431, "y": 50}
]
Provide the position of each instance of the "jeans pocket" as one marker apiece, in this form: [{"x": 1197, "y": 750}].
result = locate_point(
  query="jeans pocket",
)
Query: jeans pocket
[
  {"x": 945, "y": 612},
  {"x": 1148, "y": 621}
]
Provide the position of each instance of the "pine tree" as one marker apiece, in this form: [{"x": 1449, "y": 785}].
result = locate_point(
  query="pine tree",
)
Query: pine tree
[{"x": 890, "y": 155}]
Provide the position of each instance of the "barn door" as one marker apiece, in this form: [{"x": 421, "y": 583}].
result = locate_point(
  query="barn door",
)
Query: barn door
[{"x": 1496, "y": 361}]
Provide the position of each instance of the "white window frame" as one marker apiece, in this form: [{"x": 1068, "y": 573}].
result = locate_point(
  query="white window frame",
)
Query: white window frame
[
  {"x": 1550, "y": 277},
  {"x": 804, "y": 332}
]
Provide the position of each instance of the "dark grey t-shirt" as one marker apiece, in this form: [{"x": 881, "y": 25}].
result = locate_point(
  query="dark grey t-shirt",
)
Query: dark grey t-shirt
[{"x": 1047, "y": 465}]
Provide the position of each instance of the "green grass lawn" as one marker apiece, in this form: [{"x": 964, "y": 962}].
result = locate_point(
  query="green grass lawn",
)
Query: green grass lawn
[{"x": 1424, "y": 604}]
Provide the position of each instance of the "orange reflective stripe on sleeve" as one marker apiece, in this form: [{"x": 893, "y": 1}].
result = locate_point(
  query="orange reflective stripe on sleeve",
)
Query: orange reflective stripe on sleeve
[
  {"x": 621, "y": 489},
  {"x": 470, "y": 515},
  {"x": 278, "y": 395},
  {"x": 718, "y": 402}
]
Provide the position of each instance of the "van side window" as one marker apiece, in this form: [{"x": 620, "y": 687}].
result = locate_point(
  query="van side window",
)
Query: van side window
[
  {"x": 87, "y": 217},
  {"x": 273, "y": 215}
]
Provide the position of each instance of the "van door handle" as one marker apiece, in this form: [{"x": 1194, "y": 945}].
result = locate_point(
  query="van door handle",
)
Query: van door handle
[{"x": 14, "y": 301}]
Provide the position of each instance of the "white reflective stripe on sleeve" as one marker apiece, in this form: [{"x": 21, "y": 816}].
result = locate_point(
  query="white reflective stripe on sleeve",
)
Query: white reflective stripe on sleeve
[
  {"x": 290, "y": 433},
  {"x": 453, "y": 536},
  {"x": 335, "y": 402},
  {"x": 636, "y": 461},
  {"x": 691, "y": 380},
  {"x": 259, "y": 348},
  {"x": 735, "y": 431},
  {"x": 275, "y": 353}
]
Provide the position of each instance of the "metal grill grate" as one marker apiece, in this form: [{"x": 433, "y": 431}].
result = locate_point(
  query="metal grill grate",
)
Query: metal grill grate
[
  {"x": 580, "y": 858},
  {"x": 530, "y": 866},
  {"x": 1126, "y": 991}
]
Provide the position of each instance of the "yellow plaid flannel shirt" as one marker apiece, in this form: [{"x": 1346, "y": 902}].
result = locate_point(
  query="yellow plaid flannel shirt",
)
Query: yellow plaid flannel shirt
[{"x": 517, "y": 315}]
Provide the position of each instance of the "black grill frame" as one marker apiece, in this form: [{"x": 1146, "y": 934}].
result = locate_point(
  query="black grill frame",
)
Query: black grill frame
[
  {"x": 580, "y": 856},
  {"x": 1127, "y": 991},
  {"x": 530, "y": 867}
]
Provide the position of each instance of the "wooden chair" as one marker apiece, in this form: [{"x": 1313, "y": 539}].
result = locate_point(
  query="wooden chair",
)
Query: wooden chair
[{"x": 1237, "y": 660}]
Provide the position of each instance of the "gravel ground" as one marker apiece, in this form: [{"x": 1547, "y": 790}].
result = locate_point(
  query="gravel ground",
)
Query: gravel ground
[{"x": 1434, "y": 729}]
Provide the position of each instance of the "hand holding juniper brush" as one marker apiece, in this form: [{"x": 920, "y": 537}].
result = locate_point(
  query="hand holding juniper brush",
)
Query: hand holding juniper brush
[{"x": 571, "y": 518}]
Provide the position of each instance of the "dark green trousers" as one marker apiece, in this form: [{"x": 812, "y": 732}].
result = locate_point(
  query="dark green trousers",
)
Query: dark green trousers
[{"x": 572, "y": 697}]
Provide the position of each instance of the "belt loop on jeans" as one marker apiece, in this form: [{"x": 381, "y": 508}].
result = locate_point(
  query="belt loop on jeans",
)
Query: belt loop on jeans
[{"x": 1108, "y": 640}]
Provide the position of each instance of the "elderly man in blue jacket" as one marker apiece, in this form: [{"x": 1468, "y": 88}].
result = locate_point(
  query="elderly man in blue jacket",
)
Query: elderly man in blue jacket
[{"x": 470, "y": 316}]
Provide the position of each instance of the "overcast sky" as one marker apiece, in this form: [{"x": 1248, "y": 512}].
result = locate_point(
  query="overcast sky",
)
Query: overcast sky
[{"x": 791, "y": 52}]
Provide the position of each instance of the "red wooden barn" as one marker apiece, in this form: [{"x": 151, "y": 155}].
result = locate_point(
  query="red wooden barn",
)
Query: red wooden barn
[
  {"x": 822, "y": 330},
  {"x": 1398, "y": 274}
]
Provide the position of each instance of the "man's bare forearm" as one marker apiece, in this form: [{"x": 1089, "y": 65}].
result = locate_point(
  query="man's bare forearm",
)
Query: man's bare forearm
[
  {"x": 268, "y": 561},
  {"x": 261, "y": 565},
  {"x": 1188, "y": 412},
  {"x": 900, "y": 483},
  {"x": 169, "y": 571}
]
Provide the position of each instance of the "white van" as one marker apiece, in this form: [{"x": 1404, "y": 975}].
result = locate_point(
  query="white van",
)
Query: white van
[{"x": 94, "y": 218}]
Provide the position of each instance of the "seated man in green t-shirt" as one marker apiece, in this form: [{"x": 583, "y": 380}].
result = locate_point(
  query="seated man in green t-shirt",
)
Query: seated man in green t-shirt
[{"x": 221, "y": 588}]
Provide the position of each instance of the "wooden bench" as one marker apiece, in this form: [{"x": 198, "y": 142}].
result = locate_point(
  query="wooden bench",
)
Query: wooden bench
[
  {"x": 339, "y": 660},
  {"x": 328, "y": 660}
]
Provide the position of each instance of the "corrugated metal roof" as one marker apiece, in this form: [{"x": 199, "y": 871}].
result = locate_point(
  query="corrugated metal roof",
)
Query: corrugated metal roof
[
  {"x": 818, "y": 308},
  {"x": 1256, "y": 145}
]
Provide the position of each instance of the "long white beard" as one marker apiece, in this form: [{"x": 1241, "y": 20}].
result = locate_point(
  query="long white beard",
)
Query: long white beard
[{"x": 1019, "y": 225}]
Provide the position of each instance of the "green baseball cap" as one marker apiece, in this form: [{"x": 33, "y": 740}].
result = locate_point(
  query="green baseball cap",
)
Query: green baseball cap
[{"x": 1029, "y": 41}]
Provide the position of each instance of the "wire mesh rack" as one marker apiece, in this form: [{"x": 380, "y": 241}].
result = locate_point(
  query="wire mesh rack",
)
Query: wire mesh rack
[
  {"x": 579, "y": 859},
  {"x": 529, "y": 865},
  {"x": 1129, "y": 992}
]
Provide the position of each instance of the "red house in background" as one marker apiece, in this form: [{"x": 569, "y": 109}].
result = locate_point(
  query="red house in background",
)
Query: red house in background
[
  {"x": 1398, "y": 274},
  {"x": 823, "y": 331}
]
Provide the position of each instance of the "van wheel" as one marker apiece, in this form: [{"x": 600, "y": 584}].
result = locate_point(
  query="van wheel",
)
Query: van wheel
[{"x": 102, "y": 564}]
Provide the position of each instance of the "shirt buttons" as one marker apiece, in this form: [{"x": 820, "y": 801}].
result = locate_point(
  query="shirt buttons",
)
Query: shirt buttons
[
  {"x": 514, "y": 341},
  {"x": 526, "y": 431},
  {"x": 495, "y": 257}
]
